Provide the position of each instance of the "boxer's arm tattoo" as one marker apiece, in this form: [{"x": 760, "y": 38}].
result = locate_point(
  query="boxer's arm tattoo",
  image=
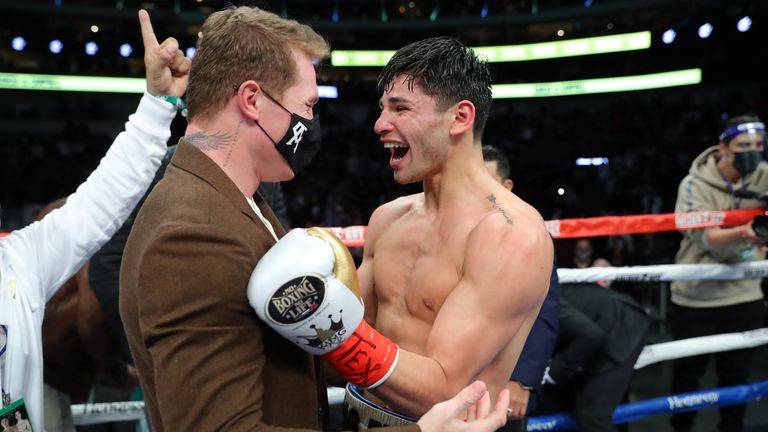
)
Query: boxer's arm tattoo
[
  {"x": 204, "y": 141},
  {"x": 492, "y": 199}
]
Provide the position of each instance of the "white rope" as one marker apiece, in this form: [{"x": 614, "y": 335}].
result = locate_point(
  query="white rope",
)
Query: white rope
[
  {"x": 126, "y": 411},
  {"x": 701, "y": 345},
  {"x": 666, "y": 272},
  {"x": 94, "y": 413}
]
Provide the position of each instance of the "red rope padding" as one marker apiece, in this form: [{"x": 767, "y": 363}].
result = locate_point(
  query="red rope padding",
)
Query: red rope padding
[
  {"x": 641, "y": 224},
  {"x": 354, "y": 236}
]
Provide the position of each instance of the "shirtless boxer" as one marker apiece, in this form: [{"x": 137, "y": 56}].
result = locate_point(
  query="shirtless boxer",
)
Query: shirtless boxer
[{"x": 454, "y": 275}]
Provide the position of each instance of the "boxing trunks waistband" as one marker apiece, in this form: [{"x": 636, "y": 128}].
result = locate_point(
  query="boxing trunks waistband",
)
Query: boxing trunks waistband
[{"x": 363, "y": 414}]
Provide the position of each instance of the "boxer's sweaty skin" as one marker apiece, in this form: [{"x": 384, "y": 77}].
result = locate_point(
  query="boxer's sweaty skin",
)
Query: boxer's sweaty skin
[{"x": 457, "y": 288}]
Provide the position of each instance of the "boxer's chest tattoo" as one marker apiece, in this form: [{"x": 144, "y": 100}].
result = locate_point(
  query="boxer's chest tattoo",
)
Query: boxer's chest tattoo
[
  {"x": 500, "y": 209},
  {"x": 204, "y": 141}
]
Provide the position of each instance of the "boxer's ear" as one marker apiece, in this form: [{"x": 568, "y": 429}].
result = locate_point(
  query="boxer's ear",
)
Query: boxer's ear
[{"x": 462, "y": 118}]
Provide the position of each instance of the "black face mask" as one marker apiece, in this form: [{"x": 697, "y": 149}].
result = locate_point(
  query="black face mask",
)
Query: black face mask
[
  {"x": 746, "y": 162},
  {"x": 582, "y": 255},
  {"x": 301, "y": 141}
]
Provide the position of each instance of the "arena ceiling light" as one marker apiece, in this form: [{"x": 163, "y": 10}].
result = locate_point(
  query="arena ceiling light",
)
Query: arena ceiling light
[
  {"x": 18, "y": 43},
  {"x": 744, "y": 24},
  {"x": 598, "y": 85},
  {"x": 55, "y": 46},
  {"x": 705, "y": 30},
  {"x": 513, "y": 53},
  {"x": 125, "y": 50},
  {"x": 96, "y": 84},
  {"x": 593, "y": 161},
  {"x": 669, "y": 36},
  {"x": 91, "y": 48}
]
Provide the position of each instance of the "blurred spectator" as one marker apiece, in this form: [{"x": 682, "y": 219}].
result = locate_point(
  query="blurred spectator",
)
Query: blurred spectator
[{"x": 583, "y": 253}]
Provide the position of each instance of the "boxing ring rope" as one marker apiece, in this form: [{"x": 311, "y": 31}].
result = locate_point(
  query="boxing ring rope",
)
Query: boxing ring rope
[
  {"x": 701, "y": 345},
  {"x": 85, "y": 414},
  {"x": 662, "y": 405},
  {"x": 665, "y": 272},
  {"x": 354, "y": 236}
]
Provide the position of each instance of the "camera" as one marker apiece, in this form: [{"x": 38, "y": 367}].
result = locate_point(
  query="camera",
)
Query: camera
[{"x": 760, "y": 225}]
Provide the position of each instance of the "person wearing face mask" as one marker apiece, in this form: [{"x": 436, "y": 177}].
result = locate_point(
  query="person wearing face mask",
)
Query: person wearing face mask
[
  {"x": 582, "y": 253},
  {"x": 204, "y": 359},
  {"x": 706, "y": 307}
]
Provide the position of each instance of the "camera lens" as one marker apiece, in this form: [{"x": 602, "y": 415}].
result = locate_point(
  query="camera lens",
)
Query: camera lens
[{"x": 760, "y": 225}]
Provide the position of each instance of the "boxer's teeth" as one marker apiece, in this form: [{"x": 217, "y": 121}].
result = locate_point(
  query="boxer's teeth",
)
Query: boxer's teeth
[{"x": 397, "y": 150}]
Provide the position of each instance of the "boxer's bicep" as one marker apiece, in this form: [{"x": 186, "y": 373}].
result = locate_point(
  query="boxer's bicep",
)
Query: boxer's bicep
[{"x": 505, "y": 277}]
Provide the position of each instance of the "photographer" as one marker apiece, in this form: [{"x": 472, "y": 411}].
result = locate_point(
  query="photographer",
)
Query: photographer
[{"x": 719, "y": 179}]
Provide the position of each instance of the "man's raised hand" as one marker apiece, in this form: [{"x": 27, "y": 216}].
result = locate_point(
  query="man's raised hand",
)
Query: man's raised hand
[{"x": 167, "y": 67}]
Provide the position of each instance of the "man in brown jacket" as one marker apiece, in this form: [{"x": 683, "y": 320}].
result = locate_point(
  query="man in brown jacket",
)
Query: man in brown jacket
[{"x": 204, "y": 359}]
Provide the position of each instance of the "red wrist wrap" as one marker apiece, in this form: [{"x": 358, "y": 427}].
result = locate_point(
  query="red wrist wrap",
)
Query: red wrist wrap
[{"x": 366, "y": 358}]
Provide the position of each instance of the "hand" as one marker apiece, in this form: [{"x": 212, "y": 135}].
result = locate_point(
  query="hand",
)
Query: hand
[
  {"x": 518, "y": 400},
  {"x": 167, "y": 67},
  {"x": 475, "y": 400},
  {"x": 749, "y": 234}
]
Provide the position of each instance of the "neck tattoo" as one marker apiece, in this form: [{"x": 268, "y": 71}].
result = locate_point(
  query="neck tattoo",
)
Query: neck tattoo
[
  {"x": 500, "y": 209},
  {"x": 204, "y": 141}
]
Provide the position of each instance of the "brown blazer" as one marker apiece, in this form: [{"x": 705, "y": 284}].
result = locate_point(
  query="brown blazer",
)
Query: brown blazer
[{"x": 205, "y": 360}]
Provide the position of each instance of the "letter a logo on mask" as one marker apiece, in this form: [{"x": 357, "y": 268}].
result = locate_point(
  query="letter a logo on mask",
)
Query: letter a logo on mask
[{"x": 298, "y": 133}]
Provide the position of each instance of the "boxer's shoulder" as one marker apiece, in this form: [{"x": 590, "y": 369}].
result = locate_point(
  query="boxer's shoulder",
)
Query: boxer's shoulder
[
  {"x": 391, "y": 211},
  {"x": 509, "y": 224}
]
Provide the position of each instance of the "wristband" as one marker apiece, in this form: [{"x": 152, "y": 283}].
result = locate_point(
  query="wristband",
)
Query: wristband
[
  {"x": 366, "y": 358},
  {"x": 176, "y": 101}
]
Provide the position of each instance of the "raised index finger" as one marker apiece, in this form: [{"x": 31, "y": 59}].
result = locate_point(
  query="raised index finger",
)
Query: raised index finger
[{"x": 147, "y": 33}]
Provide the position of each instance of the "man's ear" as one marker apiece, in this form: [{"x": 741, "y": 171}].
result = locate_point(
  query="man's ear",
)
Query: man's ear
[
  {"x": 509, "y": 184},
  {"x": 463, "y": 118},
  {"x": 723, "y": 148},
  {"x": 248, "y": 96}
]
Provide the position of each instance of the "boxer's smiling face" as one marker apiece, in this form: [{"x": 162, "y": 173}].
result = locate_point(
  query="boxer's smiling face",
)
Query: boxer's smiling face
[{"x": 413, "y": 130}]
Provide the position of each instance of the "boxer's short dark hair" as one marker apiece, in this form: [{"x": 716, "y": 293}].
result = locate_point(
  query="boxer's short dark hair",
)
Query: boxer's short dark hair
[{"x": 444, "y": 68}]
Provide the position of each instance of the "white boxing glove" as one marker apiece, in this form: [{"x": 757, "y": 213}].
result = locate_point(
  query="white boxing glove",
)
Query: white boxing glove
[{"x": 305, "y": 287}]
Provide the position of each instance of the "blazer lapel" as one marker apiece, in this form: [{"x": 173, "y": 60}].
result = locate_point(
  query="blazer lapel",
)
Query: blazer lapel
[{"x": 189, "y": 158}]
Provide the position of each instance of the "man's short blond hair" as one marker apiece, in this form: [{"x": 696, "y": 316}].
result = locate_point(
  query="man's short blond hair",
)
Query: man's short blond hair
[{"x": 246, "y": 43}]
